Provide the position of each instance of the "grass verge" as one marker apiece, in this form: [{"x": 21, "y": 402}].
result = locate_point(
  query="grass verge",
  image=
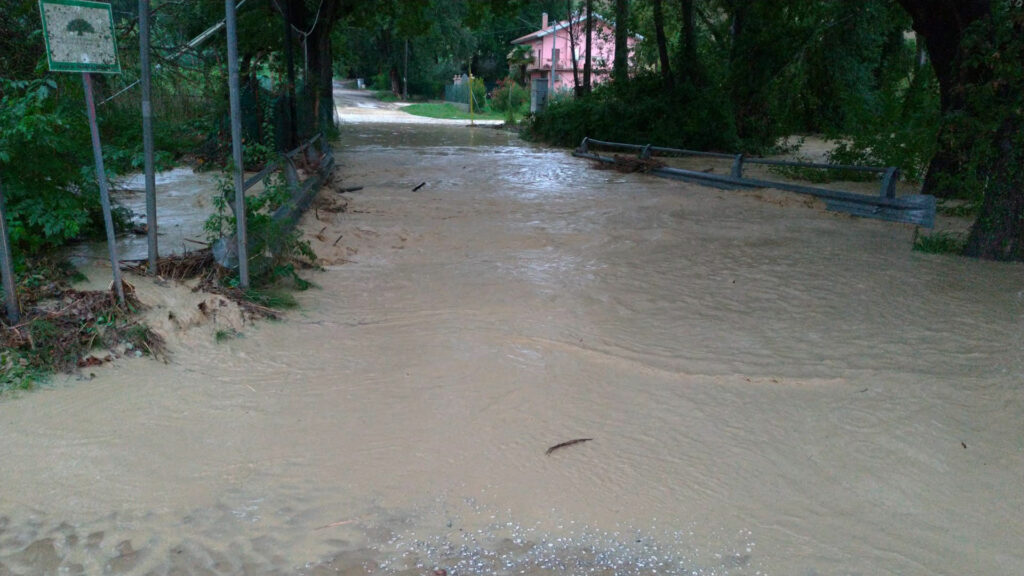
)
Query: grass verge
[{"x": 447, "y": 111}]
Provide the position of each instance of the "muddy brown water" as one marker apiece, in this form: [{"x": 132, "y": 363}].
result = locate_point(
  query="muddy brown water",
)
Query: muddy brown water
[{"x": 770, "y": 389}]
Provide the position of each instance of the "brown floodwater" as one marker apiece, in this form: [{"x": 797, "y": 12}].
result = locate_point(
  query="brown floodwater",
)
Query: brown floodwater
[
  {"x": 769, "y": 389},
  {"x": 184, "y": 201}
]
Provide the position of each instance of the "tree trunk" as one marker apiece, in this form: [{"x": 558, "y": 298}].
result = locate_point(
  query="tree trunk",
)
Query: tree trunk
[
  {"x": 620, "y": 68},
  {"x": 941, "y": 24},
  {"x": 659, "y": 36},
  {"x": 291, "y": 137},
  {"x": 998, "y": 233},
  {"x": 573, "y": 31},
  {"x": 976, "y": 49},
  {"x": 320, "y": 39},
  {"x": 587, "y": 68},
  {"x": 319, "y": 87},
  {"x": 689, "y": 67}
]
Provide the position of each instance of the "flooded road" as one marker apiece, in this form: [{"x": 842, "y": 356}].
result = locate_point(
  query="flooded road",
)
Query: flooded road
[{"x": 769, "y": 389}]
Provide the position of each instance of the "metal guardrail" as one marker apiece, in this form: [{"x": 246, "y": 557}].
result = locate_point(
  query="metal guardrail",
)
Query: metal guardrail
[
  {"x": 911, "y": 208},
  {"x": 313, "y": 156}
]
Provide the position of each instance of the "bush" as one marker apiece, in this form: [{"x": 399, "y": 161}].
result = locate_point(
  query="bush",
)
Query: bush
[
  {"x": 45, "y": 159},
  {"x": 501, "y": 95},
  {"x": 380, "y": 82},
  {"x": 640, "y": 111},
  {"x": 943, "y": 242},
  {"x": 273, "y": 247}
]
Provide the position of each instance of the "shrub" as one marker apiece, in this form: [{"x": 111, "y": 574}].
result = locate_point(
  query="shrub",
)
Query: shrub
[
  {"x": 640, "y": 111},
  {"x": 507, "y": 91},
  {"x": 943, "y": 242}
]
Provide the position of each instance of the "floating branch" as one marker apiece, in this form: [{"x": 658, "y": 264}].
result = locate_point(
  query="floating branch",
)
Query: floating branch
[{"x": 565, "y": 444}]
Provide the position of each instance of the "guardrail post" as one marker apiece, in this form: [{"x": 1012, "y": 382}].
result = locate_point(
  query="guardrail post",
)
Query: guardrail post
[
  {"x": 737, "y": 166},
  {"x": 645, "y": 153},
  {"x": 583, "y": 145},
  {"x": 892, "y": 175}
]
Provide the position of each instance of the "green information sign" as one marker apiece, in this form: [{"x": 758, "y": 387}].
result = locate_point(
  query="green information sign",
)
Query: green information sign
[{"x": 79, "y": 36}]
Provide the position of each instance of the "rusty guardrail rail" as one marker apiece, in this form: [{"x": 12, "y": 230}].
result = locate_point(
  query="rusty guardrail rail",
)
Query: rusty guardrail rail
[{"x": 911, "y": 208}]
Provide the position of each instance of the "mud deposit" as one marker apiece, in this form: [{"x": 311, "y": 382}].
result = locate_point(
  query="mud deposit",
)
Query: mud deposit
[{"x": 770, "y": 389}]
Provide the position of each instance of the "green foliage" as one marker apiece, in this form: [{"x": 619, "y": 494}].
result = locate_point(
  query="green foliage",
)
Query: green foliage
[
  {"x": 16, "y": 373},
  {"x": 820, "y": 175},
  {"x": 44, "y": 151},
  {"x": 222, "y": 335},
  {"x": 640, "y": 111},
  {"x": 273, "y": 247},
  {"x": 272, "y": 298},
  {"x": 508, "y": 92},
  {"x": 943, "y": 242},
  {"x": 985, "y": 130},
  {"x": 898, "y": 128},
  {"x": 434, "y": 110},
  {"x": 380, "y": 82},
  {"x": 957, "y": 208},
  {"x": 479, "y": 93}
]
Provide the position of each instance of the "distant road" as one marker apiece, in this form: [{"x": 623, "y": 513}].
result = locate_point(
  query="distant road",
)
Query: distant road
[{"x": 359, "y": 106}]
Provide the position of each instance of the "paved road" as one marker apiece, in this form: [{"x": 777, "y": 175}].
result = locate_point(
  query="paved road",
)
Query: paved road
[{"x": 359, "y": 106}]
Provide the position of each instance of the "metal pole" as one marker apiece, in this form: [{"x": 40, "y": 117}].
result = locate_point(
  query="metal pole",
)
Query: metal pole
[
  {"x": 405, "y": 75},
  {"x": 554, "y": 56},
  {"x": 6, "y": 264},
  {"x": 147, "y": 135},
  {"x": 236, "y": 142},
  {"x": 101, "y": 177},
  {"x": 471, "y": 92}
]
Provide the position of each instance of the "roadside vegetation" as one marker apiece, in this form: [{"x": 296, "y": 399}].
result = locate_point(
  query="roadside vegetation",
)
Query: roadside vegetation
[{"x": 889, "y": 83}]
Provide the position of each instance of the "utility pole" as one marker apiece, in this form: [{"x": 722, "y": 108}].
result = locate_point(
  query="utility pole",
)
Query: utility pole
[
  {"x": 236, "y": 142},
  {"x": 147, "y": 136},
  {"x": 554, "y": 59}
]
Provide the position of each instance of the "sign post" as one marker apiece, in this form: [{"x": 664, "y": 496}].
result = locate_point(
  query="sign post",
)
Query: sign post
[{"x": 80, "y": 38}]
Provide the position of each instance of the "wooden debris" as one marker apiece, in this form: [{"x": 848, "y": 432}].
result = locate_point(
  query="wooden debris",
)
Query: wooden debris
[
  {"x": 630, "y": 164},
  {"x": 566, "y": 444}
]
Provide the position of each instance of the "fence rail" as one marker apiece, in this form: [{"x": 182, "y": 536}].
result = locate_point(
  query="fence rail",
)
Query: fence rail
[{"x": 911, "y": 208}]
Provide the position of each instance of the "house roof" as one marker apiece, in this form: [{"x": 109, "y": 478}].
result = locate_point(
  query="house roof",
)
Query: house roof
[{"x": 562, "y": 26}]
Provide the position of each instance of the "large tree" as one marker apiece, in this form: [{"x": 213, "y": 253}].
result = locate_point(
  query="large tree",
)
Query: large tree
[
  {"x": 620, "y": 67},
  {"x": 587, "y": 65},
  {"x": 662, "y": 41},
  {"x": 976, "y": 48}
]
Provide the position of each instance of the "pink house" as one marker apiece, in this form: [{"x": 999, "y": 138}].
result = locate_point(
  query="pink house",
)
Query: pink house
[{"x": 557, "y": 35}]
